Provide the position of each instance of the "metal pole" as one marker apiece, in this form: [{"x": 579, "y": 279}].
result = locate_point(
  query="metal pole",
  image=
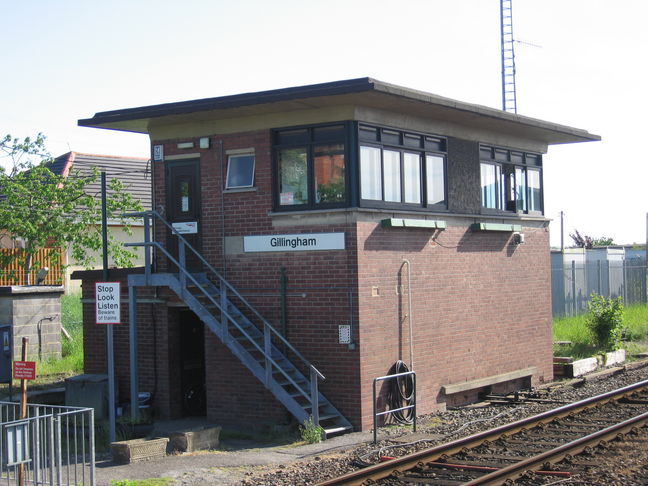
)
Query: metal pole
[
  {"x": 132, "y": 329},
  {"x": 23, "y": 407},
  {"x": 109, "y": 328},
  {"x": 375, "y": 417},
  {"x": 562, "y": 232},
  {"x": 283, "y": 280},
  {"x": 573, "y": 286}
]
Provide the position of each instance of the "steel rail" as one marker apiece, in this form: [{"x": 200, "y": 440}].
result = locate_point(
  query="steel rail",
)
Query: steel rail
[
  {"x": 397, "y": 465},
  {"x": 559, "y": 453}
]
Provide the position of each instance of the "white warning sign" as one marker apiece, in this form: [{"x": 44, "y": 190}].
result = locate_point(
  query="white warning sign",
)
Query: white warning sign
[{"x": 107, "y": 302}]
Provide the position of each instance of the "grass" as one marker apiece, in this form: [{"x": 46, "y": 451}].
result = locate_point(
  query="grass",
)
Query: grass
[
  {"x": 574, "y": 329},
  {"x": 71, "y": 361},
  {"x": 142, "y": 482}
]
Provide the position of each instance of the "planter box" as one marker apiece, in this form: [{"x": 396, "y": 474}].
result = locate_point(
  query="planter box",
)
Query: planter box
[
  {"x": 196, "y": 439},
  {"x": 127, "y": 451}
]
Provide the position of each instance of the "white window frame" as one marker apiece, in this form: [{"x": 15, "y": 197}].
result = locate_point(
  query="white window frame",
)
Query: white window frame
[{"x": 235, "y": 154}]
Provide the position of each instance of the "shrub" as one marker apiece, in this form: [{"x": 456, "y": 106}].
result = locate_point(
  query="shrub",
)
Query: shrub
[
  {"x": 310, "y": 432},
  {"x": 605, "y": 321}
]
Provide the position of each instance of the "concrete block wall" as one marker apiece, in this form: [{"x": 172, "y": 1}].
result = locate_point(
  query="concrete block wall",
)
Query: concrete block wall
[{"x": 35, "y": 313}]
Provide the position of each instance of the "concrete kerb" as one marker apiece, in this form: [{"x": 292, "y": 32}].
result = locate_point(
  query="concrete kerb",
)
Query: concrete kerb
[
  {"x": 229, "y": 467},
  {"x": 246, "y": 455}
]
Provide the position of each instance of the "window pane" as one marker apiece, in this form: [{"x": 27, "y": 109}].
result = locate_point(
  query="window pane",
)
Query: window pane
[
  {"x": 370, "y": 173},
  {"x": 390, "y": 136},
  {"x": 368, "y": 133},
  {"x": 292, "y": 136},
  {"x": 520, "y": 188},
  {"x": 411, "y": 140},
  {"x": 184, "y": 196},
  {"x": 534, "y": 190},
  {"x": 293, "y": 177},
  {"x": 435, "y": 179},
  {"x": 329, "y": 173},
  {"x": 391, "y": 173},
  {"x": 412, "y": 178},
  {"x": 489, "y": 178},
  {"x": 326, "y": 134},
  {"x": 240, "y": 171}
]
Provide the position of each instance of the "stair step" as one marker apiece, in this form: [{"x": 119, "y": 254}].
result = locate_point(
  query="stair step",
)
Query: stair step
[
  {"x": 248, "y": 333},
  {"x": 321, "y": 404},
  {"x": 300, "y": 383},
  {"x": 337, "y": 430},
  {"x": 329, "y": 416}
]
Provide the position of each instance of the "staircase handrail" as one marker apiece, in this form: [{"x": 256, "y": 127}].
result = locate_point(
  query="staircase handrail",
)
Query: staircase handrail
[
  {"x": 223, "y": 281},
  {"x": 229, "y": 317}
]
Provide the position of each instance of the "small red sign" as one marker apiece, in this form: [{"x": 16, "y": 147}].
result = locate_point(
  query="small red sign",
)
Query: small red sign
[{"x": 24, "y": 370}]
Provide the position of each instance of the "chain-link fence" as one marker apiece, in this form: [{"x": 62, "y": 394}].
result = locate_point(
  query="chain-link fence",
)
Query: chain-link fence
[{"x": 573, "y": 280}]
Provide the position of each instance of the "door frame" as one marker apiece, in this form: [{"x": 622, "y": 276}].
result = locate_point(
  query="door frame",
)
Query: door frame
[{"x": 192, "y": 167}]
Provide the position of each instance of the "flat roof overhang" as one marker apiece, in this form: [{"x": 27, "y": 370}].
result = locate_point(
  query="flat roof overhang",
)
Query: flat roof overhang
[{"x": 361, "y": 92}]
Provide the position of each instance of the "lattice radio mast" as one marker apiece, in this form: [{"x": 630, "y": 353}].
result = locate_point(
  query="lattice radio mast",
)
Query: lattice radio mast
[{"x": 509, "y": 101}]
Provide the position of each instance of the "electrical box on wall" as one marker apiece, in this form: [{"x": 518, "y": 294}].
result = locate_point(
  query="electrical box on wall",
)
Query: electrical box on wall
[
  {"x": 6, "y": 353},
  {"x": 344, "y": 334}
]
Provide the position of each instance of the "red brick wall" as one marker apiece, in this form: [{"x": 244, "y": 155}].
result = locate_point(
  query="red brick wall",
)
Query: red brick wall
[
  {"x": 481, "y": 306},
  {"x": 158, "y": 353}
]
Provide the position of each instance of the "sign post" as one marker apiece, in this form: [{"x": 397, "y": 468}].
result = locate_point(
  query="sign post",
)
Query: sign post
[
  {"x": 23, "y": 370},
  {"x": 110, "y": 312}
]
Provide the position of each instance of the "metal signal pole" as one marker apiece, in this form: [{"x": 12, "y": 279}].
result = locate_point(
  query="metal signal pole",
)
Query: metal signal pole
[{"x": 109, "y": 327}]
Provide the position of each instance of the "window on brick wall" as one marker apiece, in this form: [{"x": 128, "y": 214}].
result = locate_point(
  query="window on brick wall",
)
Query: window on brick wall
[
  {"x": 311, "y": 167},
  {"x": 240, "y": 171},
  {"x": 510, "y": 180},
  {"x": 401, "y": 169}
]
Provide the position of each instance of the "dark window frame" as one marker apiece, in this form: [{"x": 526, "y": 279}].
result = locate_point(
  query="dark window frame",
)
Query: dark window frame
[
  {"x": 428, "y": 145},
  {"x": 310, "y": 142},
  {"x": 509, "y": 161}
]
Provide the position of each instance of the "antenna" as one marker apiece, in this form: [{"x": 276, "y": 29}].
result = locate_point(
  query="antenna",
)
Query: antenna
[{"x": 509, "y": 101}]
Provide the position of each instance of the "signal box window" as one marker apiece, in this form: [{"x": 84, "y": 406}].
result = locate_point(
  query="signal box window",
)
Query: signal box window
[
  {"x": 510, "y": 181},
  {"x": 240, "y": 171}
]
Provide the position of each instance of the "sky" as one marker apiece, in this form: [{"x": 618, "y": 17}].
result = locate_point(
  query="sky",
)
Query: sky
[{"x": 580, "y": 63}]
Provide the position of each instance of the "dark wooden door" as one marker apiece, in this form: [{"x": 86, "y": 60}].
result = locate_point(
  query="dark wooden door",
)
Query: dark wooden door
[
  {"x": 183, "y": 208},
  {"x": 192, "y": 364}
]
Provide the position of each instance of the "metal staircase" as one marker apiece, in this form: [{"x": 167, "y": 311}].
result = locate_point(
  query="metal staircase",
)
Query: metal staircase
[{"x": 277, "y": 364}]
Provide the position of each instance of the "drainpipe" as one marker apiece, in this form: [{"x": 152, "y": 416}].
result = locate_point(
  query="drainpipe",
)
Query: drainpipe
[
  {"x": 409, "y": 312},
  {"x": 223, "y": 183},
  {"x": 283, "y": 284}
]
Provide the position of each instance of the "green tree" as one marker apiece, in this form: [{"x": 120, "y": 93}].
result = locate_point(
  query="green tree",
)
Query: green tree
[
  {"x": 42, "y": 208},
  {"x": 589, "y": 242}
]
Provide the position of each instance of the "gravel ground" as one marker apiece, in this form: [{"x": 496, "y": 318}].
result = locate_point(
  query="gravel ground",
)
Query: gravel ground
[
  {"x": 264, "y": 465},
  {"x": 622, "y": 469}
]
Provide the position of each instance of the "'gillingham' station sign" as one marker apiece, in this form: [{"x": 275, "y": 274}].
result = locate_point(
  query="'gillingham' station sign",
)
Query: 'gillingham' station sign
[{"x": 303, "y": 242}]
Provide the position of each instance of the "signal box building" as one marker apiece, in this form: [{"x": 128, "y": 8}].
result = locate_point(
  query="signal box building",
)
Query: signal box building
[{"x": 338, "y": 229}]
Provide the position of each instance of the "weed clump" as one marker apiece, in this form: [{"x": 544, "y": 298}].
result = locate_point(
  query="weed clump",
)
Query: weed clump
[
  {"x": 605, "y": 321},
  {"x": 310, "y": 432}
]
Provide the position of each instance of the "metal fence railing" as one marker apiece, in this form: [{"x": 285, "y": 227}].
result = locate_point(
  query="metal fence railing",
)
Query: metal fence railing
[
  {"x": 52, "y": 445},
  {"x": 573, "y": 282},
  {"x": 411, "y": 400}
]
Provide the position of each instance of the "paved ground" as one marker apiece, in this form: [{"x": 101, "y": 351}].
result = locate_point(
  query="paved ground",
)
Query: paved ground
[{"x": 236, "y": 459}]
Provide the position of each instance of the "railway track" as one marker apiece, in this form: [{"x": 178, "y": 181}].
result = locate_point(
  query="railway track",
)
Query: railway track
[{"x": 509, "y": 453}]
